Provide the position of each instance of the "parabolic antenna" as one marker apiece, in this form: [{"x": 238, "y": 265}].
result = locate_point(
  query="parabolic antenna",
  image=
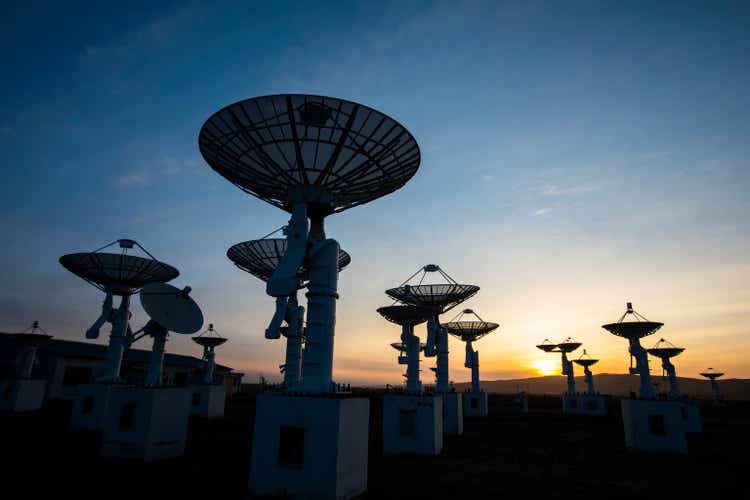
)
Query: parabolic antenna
[
  {"x": 209, "y": 338},
  {"x": 439, "y": 297},
  {"x": 712, "y": 374},
  {"x": 568, "y": 345},
  {"x": 639, "y": 328},
  {"x": 469, "y": 330},
  {"x": 261, "y": 257},
  {"x": 405, "y": 314},
  {"x": 172, "y": 308},
  {"x": 665, "y": 349},
  {"x": 585, "y": 360},
  {"x": 547, "y": 346},
  {"x": 401, "y": 347},
  {"x": 33, "y": 336},
  {"x": 331, "y": 153},
  {"x": 121, "y": 273}
]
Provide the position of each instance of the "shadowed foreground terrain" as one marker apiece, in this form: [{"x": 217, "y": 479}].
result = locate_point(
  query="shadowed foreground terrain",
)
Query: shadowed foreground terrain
[{"x": 542, "y": 454}]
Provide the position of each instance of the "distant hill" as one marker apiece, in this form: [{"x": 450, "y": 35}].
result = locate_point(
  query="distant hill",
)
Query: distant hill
[{"x": 616, "y": 385}]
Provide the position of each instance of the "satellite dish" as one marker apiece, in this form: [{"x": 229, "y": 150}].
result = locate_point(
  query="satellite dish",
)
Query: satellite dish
[
  {"x": 261, "y": 257},
  {"x": 120, "y": 273},
  {"x": 331, "y": 154},
  {"x": 665, "y": 350},
  {"x": 405, "y": 314},
  {"x": 469, "y": 331},
  {"x": 585, "y": 360},
  {"x": 172, "y": 308},
  {"x": 568, "y": 345}
]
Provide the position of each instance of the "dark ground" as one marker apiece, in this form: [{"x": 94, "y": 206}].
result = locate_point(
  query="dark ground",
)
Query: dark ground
[{"x": 542, "y": 454}]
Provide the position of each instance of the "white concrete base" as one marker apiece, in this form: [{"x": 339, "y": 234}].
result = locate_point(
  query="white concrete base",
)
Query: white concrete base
[
  {"x": 309, "y": 447},
  {"x": 653, "y": 426},
  {"x": 207, "y": 401},
  {"x": 475, "y": 404},
  {"x": 584, "y": 404},
  {"x": 22, "y": 395},
  {"x": 691, "y": 415},
  {"x": 413, "y": 424},
  {"x": 146, "y": 423},
  {"x": 453, "y": 413},
  {"x": 90, "y": 406}
]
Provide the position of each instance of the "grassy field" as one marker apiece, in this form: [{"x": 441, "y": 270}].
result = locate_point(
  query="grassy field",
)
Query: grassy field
[{"x": 541, "y": 454}]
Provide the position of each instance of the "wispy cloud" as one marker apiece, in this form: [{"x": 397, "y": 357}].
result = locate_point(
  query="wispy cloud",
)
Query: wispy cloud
[
  {"x": 554, "y": 190},
  {"x": 542, "y": 212},
  {"x": 138, "y": 178}
]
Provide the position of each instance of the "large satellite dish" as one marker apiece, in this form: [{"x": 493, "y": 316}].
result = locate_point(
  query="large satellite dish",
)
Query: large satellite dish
[
  {"x": 440, "y": 297},
  {"x": 331, "y": 153},
  {"x": 171, "y": 308},
  {"x": 469, "y": 331},
  {"x": 637, "y": 329},
  {"x": 210, "y": 338},
  {"x": 405, "y": 314},
  {"x": 585, "y": 360},
  {"x": 261, "y": 257},
  {"x": 121, "y": 273},
  {"x": 665, "y": 350}
]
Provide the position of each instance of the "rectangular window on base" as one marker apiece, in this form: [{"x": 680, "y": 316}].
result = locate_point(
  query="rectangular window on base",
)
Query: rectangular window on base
[
  {"x": 127, "y": 417},
  {"x": 407, "y": 422},
  {"x": 291, "y": 447},
  {"x": 656, "y": 425}
]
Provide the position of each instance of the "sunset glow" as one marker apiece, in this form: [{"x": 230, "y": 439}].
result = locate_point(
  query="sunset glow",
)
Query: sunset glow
[{"x": 545, "y": 367}]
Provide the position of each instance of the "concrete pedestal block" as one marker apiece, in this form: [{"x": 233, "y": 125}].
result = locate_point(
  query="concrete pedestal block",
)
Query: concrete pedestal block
[
  {"x": 90, "y": 406},
  {"x": 691, "y": 415},
  {"x": 146, "y": 423},
  {"x": 207, "y": 401},
  {"x": 453, "y": 413},
  {"x": 413, "y": 424},
  {"x": 654, "y": 426},
  {"x": 309, "y": 447},
  {"x": 21, "y": 395},
  {"x": 475, "y": 404},
  {"x": 584, "y": 404}
]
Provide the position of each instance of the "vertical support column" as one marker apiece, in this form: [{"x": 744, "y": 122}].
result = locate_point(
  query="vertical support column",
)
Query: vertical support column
[
  {"x": 641, "y": 365},
  {"x": 475, "y": 372},
  {"x": 567, "y": 369},
  {"x": 589, "y": 380},
  {"x": 294, "y": 335},
  {"x": 674, "y": 389},
  {"x": 210, "y": 357},
  {"x": 27, "y": 362},
  {"x": 156, "y": 360},
  {"x": 413, "y": 385},
  {"x": 118, "y": 340},
  {"x": 715, "y": 388},
  {"x": 442, "y": 358},
  {"x": 317, "y": 362}
]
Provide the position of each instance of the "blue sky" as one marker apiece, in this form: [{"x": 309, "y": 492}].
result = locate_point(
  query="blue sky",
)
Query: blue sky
[{"x": 575, "y": 155}]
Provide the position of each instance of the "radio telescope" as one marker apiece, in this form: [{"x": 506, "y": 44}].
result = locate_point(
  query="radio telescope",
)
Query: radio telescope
[
  {"x": 713, "y": 375},
  {"x": 586, "y": 361},
  {"x": 409, "y": 348},
  {"x": 439, "y": 298},
  {"x": 311, "y": 156},
  {"x": 170, "y": 309},
  {"x": 209, "y": 340},
  {"x": 470, "y": 331},
  {"x": 666, "y": 351},
  {"x": 261, "y": 258},
  {"x": 120, "y": 274},
  {"x": 30, "y": 339},
  {"x": 634, "y": 330},
  {"x": 564, "y": 348}
]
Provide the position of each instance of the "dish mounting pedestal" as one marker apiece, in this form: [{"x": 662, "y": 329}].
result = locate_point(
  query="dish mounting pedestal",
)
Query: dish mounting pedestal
[
  {"x": 146, "y": 423},
  {"x": 310, "y": 447},
  {"x": 453, "y": 414},
  {"x": 653, "y": 426},
  {"x": 207, "y": 400},
  {"x": 412, "y": 424},
  {"x": 475, "y": 404},
  {"x": 21, "y": 395}
]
